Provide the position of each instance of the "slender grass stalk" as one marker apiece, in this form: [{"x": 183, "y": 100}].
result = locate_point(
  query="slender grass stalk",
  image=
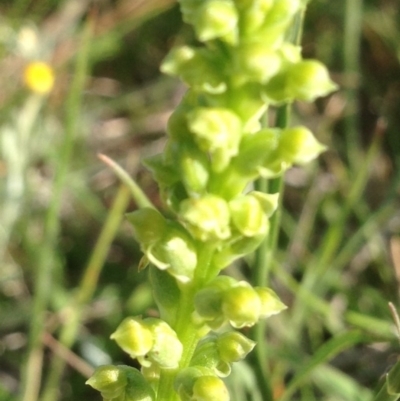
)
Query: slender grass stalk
[
  {"x": 138, "y": 195},
  {"x": 351, "y": 56},
  {"x": 334, "y": 236},
  {"x": 32, "y": 372},
  {"x": 262, "y": 268},
  {"x": 266, "y": 252},
  {"x": 390, "y": 390},
  {"x": 86, "y": 289}
]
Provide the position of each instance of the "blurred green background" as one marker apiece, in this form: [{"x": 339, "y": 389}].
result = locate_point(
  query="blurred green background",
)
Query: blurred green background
[{"x": 69, "y": 266}]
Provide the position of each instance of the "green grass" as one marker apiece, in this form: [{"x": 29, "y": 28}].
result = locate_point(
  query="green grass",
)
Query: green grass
[{"x": 69, "y": 265}]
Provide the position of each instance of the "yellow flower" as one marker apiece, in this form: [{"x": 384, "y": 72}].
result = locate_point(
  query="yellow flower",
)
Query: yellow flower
[{"x": 39, "y": 77}]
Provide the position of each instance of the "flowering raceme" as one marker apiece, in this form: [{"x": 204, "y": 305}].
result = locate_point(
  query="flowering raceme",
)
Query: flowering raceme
[{"x": 216, "y": 148}]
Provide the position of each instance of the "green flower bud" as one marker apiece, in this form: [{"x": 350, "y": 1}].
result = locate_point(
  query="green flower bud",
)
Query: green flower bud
[
  {"x": 150, "y": 341},
  {"x": 298, "y": 146},
  {"x": 248, "y": 216},
  {"x": 210, "y": 388},
  {"x": 216, "y": 19},
  {"x": 175, "y": 252},
  {"x": 148, "y": 223},
  {"x": 270, "y": 303},
  {"x": 217, "y": 131},
  {"x": 110, "y": 380},
  {"x": 199, "y": 384},
  {"x": 268, "y": 202},
  {"x": 281, "y": 13},
  {"x": 167, "y": 350},
  {"x": 121, "y": 383},
  {"x": 207, "y": 218},
  {"x": 309, "y": 79},
  {"x": 241, "y": 305},
  {"x": 257, "y": 62},
  {"x": 134, "y": 337},
  {"x": 234, "y": 346},
  {"x": 253, "y": 13},
  {"x": 185, "y": 379}
]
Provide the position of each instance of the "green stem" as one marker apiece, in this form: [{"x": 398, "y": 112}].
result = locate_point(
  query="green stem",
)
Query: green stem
[
  {"x": 86, "y": 289},
  {"x": 184, "y": 328},
  {"x": 351, "y": 56},
  {"x": 43, "y": 277},
  {"x": 264, "y": 257}
]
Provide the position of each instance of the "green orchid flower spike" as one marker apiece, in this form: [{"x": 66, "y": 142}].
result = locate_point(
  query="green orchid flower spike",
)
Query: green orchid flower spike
[{"x": 216, "y": 148}]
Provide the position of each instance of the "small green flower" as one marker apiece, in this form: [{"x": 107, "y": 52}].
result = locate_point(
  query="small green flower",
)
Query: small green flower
[
  {"x": 248, "y": 216},
  {"x": 217, "y": 131},
  {"x": 110, "y": 380},
  {"x": 270, "y": 303},
  {"x": 216, "y": 19},
  {"x": 134, "y": 337},
  {"x": 149, "y": 340},
  {"x": 121, "y": 383},
  {"x": 309, "y": 79},
  {"x": 210, "y": 388},
  {"x": 256, "y": 63},
  {"x": 200, "y": 384},
  {"x": 167, "y": 350},
  {"x": 207, "y": 218},
  {"x": 298, "y": 145},
  {"x": 234, "y": 346},
  {"x": 174, "y": 252},
  {"x": 241, "y": 305}
]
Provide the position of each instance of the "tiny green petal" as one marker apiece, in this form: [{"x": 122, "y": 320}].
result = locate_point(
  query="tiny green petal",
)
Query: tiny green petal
[
  {"x": 110, "y": 380},
  {"x": 234, "y": 346},
  {"x": 207, "y": 218},
  {"x": 257, "y": 62},
  {"x": 216, "y": 19},
  {"x": 210, "y": 388},
  {"x": 270, "y": 303},
  {"x": 121, "y": 383},
  {"x": 175, "y": 252},
  {"x": 298, "y": 145},
  {"x": 309, "y": 79},
  {"x": 167, "y": 349},
  {"x": 248, "y": 216},
  {"x": 241, "y": 305},
  {"x": 218, "y": 131},
  {"x": 133, "y": 337},
  {"x": 268, "y": 202}
]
